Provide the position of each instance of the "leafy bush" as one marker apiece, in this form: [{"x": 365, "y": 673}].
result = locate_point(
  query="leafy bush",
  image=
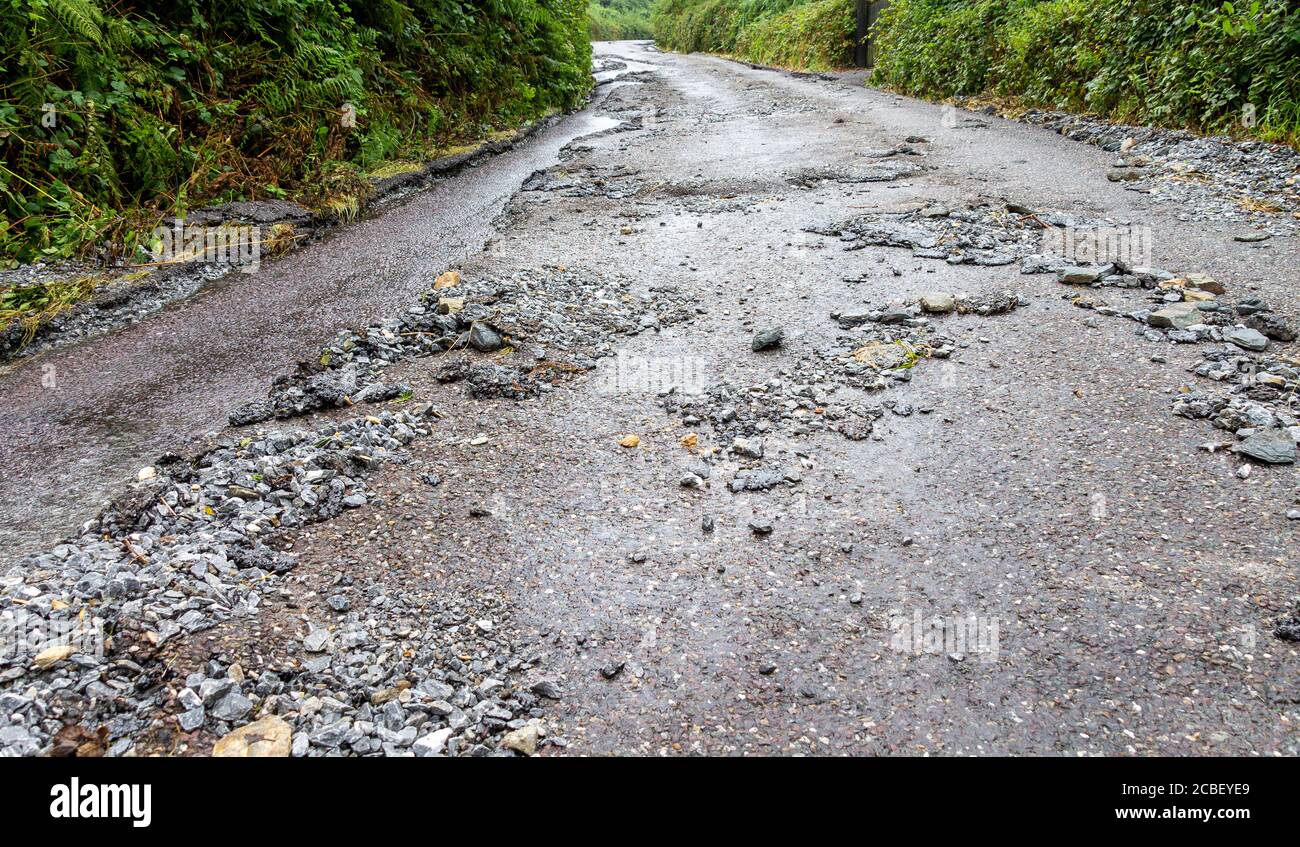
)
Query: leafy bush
[
  {"x": 814, "y": 36},
  {"x": 1197, "y": 65},
  {"x": 940, "y": 47},
  {"x": 614, "y": 20},
  {"x": 112, "y": 115},
  {"x": 808, "y": 34}
]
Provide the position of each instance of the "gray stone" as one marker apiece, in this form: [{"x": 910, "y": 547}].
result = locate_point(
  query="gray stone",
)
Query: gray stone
[
  {"x": 434, "y": 743},
  {"x": 848, "y": 320},
  {"x": 895, "y": 315},
  {"x": 700, "y": 469},
  {"x": 436, "y": 690},
  {"x": 1083, "y": 274},
  {"x": 191, "y": 720},
  {"x": 762, "y": 479},
  {"x": 484, "y": 338},
  {"x": 232, "y": 707},
  {"x": 1271, "y": 325},
  {"x": 377, "y": 392},
  {"x": 189, "y": 699},
  {"x": 767, "y": 338},
  {"x": 316, "y": 641},
  {"x": 15, "y": 740},
  {"x": 212, "y": 690},
  {"x": 1274, "y": 446},
  {"x": 1249, "y": 339},
  {"x": 333, "y": 734},
  {"x": 938, "y": 303},
  {"x": 1176, "y": 316}
]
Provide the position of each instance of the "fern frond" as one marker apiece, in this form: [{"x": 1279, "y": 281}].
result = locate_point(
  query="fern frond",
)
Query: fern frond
[{"x": 80, "y": 18}]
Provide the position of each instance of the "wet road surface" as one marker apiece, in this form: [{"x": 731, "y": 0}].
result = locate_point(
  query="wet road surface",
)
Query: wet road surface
[
  {"x": 81, "y": 420},
  {"x": 1117, "y": 582}
]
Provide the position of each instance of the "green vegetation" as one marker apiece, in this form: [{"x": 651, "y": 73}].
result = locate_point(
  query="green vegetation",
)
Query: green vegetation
[
  {"x": 33, "y": 305},
  {"x": 1202, "y": 66},
  {"x": 805, "y": 34},
  {"x": 113, "y": 115},
  {"x": 615, "y": 20}
]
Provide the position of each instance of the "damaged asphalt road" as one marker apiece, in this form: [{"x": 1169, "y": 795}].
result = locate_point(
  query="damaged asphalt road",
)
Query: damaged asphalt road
[{"x": 755, "y": 426}]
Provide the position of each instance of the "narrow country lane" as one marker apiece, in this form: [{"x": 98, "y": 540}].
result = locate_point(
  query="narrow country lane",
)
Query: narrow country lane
[
  {"x": 974, "y": 529},
  {"x": 122, "y": 399}
]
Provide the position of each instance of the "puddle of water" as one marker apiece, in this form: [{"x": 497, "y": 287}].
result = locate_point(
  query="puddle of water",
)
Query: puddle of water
[{"x": 599, "y": 123}]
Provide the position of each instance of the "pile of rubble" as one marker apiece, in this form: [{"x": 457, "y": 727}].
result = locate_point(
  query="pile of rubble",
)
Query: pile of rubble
[
  {"x": 1260, "y": 403},
  {"x": 1184, "y": 309},
  {"x": 1260, "y": 406},
  {"x": 195, "y": 543},
  {"x": 882, "y": 171},
  {"x": 891, "y": 340},
  {"x": 914, "y": 314},
  {"x": 988, "y": 235},
  {"x": 552, "y": 324},
  {"x": 794, "y": 408},
  {"x": 1209, "y": 178},
  {"x": 882, "y": 351},
  {"x": 566, "y": 180},
  {"x": 182, "y": 551}
]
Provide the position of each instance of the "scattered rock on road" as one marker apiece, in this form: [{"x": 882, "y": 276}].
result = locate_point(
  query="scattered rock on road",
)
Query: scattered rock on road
[
  {"x": 266, "y": 738},
  {"x": 1273, "y": 446},
  {"x": 766, "y": 339}
]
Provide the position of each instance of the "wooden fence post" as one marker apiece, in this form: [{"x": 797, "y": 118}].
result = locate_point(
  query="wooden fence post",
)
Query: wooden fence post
[
  {"x": 860, "y": 42},
  {"x": 864, "y": 54}
]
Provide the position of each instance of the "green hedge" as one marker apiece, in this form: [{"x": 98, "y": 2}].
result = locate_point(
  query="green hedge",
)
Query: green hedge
[
  {"x": 806, "y": 34},
  {"x": 1181, "y": 64},
  {"x": 615, "y": 20},
  {"x": 165, "y": 104}
]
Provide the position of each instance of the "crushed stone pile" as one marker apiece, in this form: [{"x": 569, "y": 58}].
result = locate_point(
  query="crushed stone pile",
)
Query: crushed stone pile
[{"x": 552, "y": 324}]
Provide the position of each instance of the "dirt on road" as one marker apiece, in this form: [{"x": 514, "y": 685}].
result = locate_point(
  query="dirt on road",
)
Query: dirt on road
[{"x": 969, "y": 526}]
